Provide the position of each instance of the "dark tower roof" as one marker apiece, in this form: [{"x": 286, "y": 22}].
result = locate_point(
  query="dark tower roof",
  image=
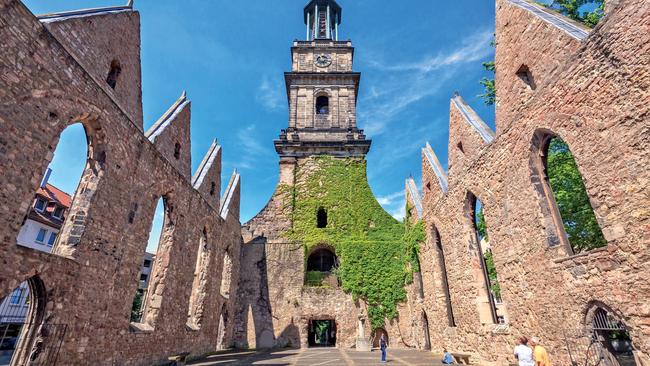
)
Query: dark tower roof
[{"x": 336, "y": 8}]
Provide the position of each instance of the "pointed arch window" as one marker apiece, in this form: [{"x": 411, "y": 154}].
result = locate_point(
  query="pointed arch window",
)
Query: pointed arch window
[{"x": 113, "y": 73}]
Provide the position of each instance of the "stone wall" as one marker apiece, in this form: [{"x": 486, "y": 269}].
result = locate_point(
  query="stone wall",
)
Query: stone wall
[
  {"x": 86, "y": 286},
  {"x": 593, "y": 94}
]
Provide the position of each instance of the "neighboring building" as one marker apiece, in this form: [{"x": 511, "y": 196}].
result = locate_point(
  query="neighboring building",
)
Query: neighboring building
[
  {"x": 45, "y": 217},
  {"x": 145, "y": 272}
]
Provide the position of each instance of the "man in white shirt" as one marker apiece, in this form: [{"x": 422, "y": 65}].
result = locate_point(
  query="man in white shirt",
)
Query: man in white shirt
[{"x": 523, "y": 353}]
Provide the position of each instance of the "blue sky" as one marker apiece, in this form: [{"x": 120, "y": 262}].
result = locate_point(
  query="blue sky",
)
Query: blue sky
[{"x": 230, "y": 57}]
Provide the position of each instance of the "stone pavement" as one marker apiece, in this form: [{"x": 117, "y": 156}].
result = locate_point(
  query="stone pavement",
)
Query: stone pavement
[{"x": 318, "y": 356}]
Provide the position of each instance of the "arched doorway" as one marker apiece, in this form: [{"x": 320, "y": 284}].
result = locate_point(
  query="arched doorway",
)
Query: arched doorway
[
  {"x": 610, "y": 340},
  {"x": 376, "y": 337}
]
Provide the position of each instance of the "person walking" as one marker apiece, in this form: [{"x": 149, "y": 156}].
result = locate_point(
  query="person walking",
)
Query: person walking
[
  {"x": 382, "y": 347},
  {"x": 539, "y": 353},
  {"x": 523, "y": 353}
]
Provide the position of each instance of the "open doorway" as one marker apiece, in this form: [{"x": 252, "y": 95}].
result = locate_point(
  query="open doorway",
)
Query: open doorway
[{"x": 322, "y": 333}]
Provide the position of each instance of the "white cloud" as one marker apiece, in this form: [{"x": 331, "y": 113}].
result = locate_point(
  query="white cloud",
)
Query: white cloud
[
  {"x": 394, "y": 204},
  {"x": 251, "y": 147},
  {"x": 390, "y": 199},
  {"x": 269, "y": 94},
  {"x": 405, "y": 83}
]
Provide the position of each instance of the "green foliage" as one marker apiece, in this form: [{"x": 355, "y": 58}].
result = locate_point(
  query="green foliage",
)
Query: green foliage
[
  {"x": 481, "y": 227},
  {"x": 136, "y": 307},
  {"x": 492, "y": 274},
  {"x": 489, "y": 95},
  {"x": 572, "y": 200},
  {"x": 377, "y": 254},
  {"x": 572, "y": 9}
]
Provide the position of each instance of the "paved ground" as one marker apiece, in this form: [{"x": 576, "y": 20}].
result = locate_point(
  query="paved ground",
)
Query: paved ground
[{"x": 318, "y": 357}]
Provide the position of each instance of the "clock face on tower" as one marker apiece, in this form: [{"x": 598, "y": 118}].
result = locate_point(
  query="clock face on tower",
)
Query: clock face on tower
[{"x": 323, "y": 60}]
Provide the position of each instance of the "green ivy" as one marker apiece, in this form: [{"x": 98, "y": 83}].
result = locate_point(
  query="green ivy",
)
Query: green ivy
[{"x": 377, "y": 254}]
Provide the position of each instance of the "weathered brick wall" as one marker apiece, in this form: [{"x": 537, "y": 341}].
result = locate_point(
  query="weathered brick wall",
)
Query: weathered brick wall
[
  {"x": 97, "y": 41},
  {"x": 91, "y": 278},
  {"x": 595, "y": 97}
]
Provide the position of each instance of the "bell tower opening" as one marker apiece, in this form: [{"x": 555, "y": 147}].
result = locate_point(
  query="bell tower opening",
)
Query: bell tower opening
[{"x": 322, "y": 18}]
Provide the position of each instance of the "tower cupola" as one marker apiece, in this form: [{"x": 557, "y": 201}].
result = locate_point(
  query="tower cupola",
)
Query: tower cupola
[{"x": 322, "y": 18}]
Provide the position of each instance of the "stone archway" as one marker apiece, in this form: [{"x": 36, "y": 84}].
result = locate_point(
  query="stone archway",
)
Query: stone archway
[{"x": 376, "y": 336}]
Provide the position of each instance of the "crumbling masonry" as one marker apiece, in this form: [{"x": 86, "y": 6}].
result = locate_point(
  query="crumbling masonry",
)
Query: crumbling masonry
[
  {"x": 85, "y": 67},
  {"x": 208, "y": 290}
]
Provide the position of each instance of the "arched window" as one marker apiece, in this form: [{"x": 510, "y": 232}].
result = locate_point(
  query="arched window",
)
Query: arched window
[
  {"x": 221, "y": 332},
  {"x": 113, "y": 73},
  {"x": 146, "y": 301},
  {"x": 22, "y": 327},
  {"x": 66, "y": 187},
  {"x": 565, "y": 202},
  {"x": 322, "y": 104},
  {"x": 491, "y": 308},
  {"x": 320, "y": 265},
  {"x": 321, "y": 218},
  {"x": 226, "y": 275},
  {"x": 199, "y": 284},
  {"x": 445, "y": 282}
]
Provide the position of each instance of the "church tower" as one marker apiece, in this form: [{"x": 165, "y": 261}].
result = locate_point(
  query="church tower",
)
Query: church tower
[
  {"x": 322, "y": 90},
  {"x": 307, "y": 252}
]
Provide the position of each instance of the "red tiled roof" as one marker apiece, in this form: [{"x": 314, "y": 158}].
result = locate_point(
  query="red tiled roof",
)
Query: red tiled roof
[{"x": 51, "y": 193}]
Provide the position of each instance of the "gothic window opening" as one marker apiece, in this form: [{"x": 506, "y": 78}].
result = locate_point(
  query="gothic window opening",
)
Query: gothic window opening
[
  {"x": 320, "y": 265},
  {"x": 143, "y": 309},
  {"x": 609, "y": 336},
  {"x": 491, "y": 307},
  {"x": 200, "y": 282},
  {"x": 226, "y": 275},
  {"x": 445, "y": 281},
  {"x": 460, "y": 147},
  {"x": 64, "y": 180},
  {"x": 22, "y": 328},
  {"x": 571, "y": 220},
  {"x": 113, "y": 74},
  {"x": 322, "y": 105},
  {"x": 524, "y": 74},
  {"x": 321, "y": 218}
]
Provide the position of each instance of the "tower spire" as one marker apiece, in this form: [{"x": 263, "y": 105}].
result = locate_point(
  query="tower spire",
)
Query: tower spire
[{"x": 322, "y": 18}]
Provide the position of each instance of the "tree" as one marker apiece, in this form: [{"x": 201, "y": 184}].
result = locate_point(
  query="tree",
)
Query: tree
[
  {"x": 495, "y": 288},
  {"x": 489, "y": 95},
  {"x": 572, "y": 9},
  {"x": 570, "y": 194},
  {"x": 136, "y": 307}
]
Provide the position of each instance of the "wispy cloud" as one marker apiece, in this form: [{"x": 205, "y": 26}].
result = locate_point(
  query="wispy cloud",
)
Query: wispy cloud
[
  {"x": 394, "y": 204},
  {"x": 251, "y": 147},
  {"x": 405, "y": 83},
  {"x": 269, "y": 94}
]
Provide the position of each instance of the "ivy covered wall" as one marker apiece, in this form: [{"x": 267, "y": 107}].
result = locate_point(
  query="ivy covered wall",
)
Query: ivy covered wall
[{"x": 377, "y": 254}]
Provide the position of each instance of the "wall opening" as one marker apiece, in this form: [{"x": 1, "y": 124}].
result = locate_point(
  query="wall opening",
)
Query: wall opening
[
  {"x": 569, "y": 216},
  {"x": 320, "y": 268},
  {"x": 146, "y": 301},
  {"x": 200, "y": 282},
  {"x": 322, "y": 333},
  {"x": 177, "y": 151},
  {"x": 321, "y": 218},
  {"x": 213, "y": 188},
  {"x": 425, "y": 326},
  {"x": 485, "y": 274},
  {"x": 322, "y": 104},
  {"x": 221, "y": 332},
  {"x": 66, "y": 189},
  {"x": 226, "y": 274},
  {"x": 440, "y": 254},
  {"x": 524, "y": 74},
  {"x": 613, "y": 342},
  {"x": 113, "y": 73},
  {"x": 22, "y": 330},
  {"x": 376, "y": 337}
]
